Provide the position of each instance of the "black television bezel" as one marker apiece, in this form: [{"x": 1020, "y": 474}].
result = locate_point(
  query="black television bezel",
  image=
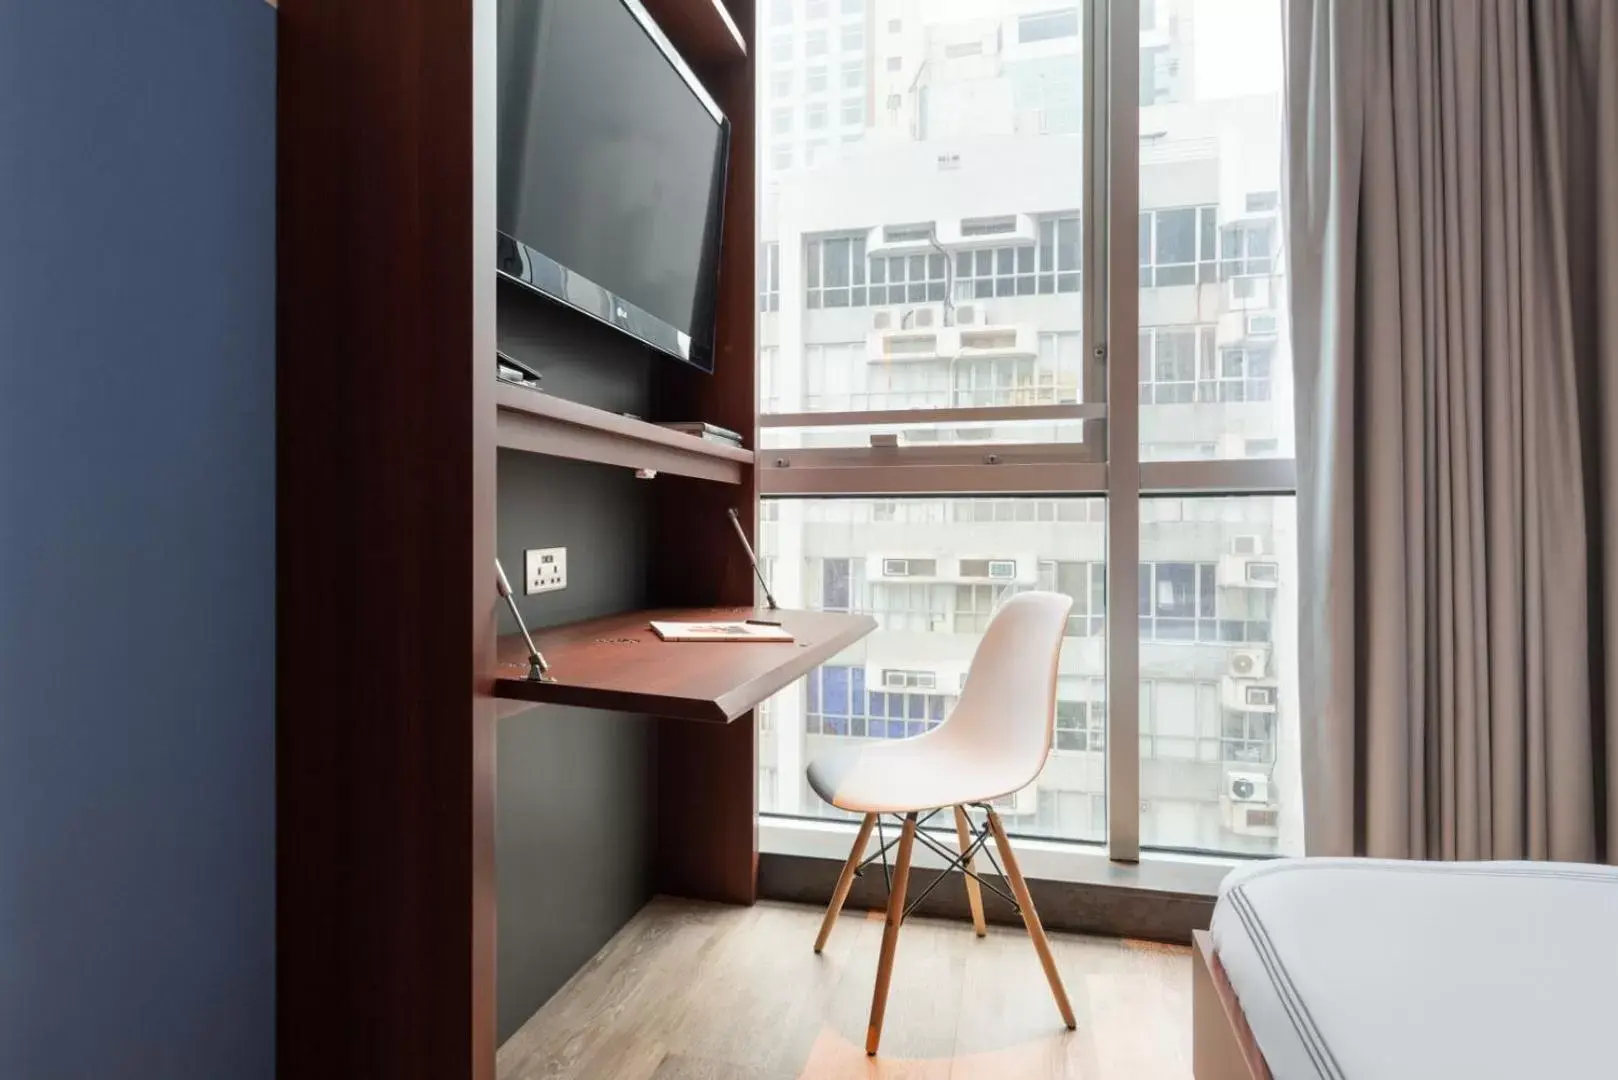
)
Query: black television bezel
[{"x": 539, "y": 273}]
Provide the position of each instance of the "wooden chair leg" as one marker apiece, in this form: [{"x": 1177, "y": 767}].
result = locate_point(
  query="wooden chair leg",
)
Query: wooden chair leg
[
  {"x": 1030, "y": 918},
  {"x": 890, "y": 933},
  {"x": 845, "y": 881},
  {"x": 974, "y": 892}
]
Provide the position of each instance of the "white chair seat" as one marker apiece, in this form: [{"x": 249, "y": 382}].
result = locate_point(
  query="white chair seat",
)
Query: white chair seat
[{"x": 936, "y": 769}]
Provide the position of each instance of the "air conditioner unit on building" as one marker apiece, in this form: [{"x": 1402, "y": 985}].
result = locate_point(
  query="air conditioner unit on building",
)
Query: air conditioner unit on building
[
  {"x": 1267, "y": 325},
  {"x": 1242, "y": 694},
  {"x": 1024, "y": 803},
  {"x": 1250, "y": 819},
  {"x": 884, "y": 319},
  {"x": 1247, "y": 572},
  {"x": 1249, "y": 663},
  {"x": 1247, "y": 787},
  {"x": 1004, "y": 569},
  {"x": 1247, "y": 544},
  {"x": 1263, "y": 573},
  {"x": 920, "y": 318},
  {"x": 971, "y": 315}
]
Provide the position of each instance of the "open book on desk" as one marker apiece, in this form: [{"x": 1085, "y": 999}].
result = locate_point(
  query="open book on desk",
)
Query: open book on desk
[{"x": 719, "y": 631}]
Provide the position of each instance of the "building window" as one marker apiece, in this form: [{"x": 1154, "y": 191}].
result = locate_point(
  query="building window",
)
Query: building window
[
  {"x": 1179, "y": 246},
  {"x": 895, "y": 25},
  {"x": 1081, "y": 725},
  {"x": 975, "y": 605},
  {"x": 1180, "y": 720},
  {"x": 781, "y": 120},
  {"x": 814, "y": 79},
  {"x": 1175, "y": 361},
  {"x": 811, "y": 152},
  {"x": 1182, "y": 601},
  {"x": 781, "y": 156},
  {"x": 814, "y": 115},
  {"x": 1244, "y": 374},
  {"x": 1048, "y": 266},
  {"x": 853, "y": 38},
  {"x": 780, "y": 12},
  {"x": 769, "y": 276},
  {"x": 837, "y": 702},
  {"x": 1263, "y": 202},
  {"x": 1248, "y": 737},
  {"x": 814, "y": 43},
  {"x": 1048, "y": 25},
  {"x": 854, "y": 76},
  {"x": 960, "y": 50},
  {"x": 910, "y": 607},
  {"x": 781, "y": 50},
  {"x": 1157, "y": 71},
  {"x": 853, "y": 7},
  {"x": 853, "y": 112},
  {"x": 1247, "y": 248},
  {"x": 909, "y": 279},
  {"x": 781, "y": 84},
  {"x": 1180, "y": 365},
  {"x": 895, "y": 63},
  {"x": 1086, "y": 583},
  {"x": 834, "y": 272},
  {"x": 816, "y": 9}
]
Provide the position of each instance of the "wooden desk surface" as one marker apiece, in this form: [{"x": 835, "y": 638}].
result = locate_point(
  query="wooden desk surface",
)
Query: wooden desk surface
[{"x": 618, "y": 663}]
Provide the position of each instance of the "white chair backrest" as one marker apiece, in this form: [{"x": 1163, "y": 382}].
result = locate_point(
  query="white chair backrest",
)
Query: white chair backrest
[{"x": 1008, "y": 705}]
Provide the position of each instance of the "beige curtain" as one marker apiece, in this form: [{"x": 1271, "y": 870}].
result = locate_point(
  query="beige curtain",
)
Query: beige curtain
[{"x": 1452, "y": 211}]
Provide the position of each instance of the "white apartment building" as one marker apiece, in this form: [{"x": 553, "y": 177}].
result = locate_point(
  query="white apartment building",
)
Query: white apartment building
[{"x": 930, "y": 257}]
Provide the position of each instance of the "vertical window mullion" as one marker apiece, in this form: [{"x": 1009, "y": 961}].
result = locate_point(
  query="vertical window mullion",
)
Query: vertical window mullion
[{"x": 1115, "y": 114}]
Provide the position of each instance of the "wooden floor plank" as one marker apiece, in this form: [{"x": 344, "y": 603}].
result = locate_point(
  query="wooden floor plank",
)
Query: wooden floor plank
[{"x": 690, "y": 991}]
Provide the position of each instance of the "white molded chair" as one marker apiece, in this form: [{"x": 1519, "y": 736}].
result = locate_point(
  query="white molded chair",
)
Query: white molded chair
[{"x": 993, "y": 744}]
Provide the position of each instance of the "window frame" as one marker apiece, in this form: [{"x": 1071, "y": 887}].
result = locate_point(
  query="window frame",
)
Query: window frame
[{"x": 1106, "y": 461}]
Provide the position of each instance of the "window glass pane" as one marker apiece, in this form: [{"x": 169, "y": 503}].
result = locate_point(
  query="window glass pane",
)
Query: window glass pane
[
  {"x": 932, "y": 572},
  {"x": 916, "y": 89},
  {"x": 1219, "y": 726},
  {"x": 1210, "y": 167}
]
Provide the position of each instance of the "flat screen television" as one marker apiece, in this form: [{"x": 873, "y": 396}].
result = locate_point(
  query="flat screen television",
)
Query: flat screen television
[{"x": 612, "y": 164}]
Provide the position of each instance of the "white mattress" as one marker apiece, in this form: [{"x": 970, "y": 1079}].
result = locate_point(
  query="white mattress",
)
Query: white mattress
[{"x": 1360, "y": 969}]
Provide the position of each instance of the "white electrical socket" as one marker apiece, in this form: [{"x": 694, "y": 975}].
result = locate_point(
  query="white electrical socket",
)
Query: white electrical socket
[{"x": 545, "y": 569}]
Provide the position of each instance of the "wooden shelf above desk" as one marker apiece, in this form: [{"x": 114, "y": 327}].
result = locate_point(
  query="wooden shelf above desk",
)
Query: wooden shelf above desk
[
  {"x": 618, "y": 663},
  {"x": 540, "y": 423}
]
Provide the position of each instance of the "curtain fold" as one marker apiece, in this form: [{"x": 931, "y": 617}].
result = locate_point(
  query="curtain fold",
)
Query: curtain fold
[{"x": 1452, "y": 217}]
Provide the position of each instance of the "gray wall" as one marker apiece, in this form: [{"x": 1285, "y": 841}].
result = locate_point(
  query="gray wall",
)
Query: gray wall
[
  {"x": 573, "y": 826},
  {"x": 137, "y": 615}
]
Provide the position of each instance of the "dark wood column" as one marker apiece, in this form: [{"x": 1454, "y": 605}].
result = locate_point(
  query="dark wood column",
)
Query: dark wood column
[{"x": 385, "y": 519}]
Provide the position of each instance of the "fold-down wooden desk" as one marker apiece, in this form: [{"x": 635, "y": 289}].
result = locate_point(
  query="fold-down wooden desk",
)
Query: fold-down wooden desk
[{"x": 706, "y": 802}]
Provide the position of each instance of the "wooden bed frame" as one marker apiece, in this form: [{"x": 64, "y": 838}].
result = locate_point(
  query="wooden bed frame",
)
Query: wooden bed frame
[{"x": 1222, "y": 1046}]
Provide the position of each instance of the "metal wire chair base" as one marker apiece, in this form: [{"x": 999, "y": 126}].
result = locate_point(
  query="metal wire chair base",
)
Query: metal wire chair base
[{"x": 957, "y": 861}]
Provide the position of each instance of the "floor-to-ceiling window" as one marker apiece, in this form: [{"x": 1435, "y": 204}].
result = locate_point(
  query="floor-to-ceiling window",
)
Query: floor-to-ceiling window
[{"x": 1089, "y": 393}]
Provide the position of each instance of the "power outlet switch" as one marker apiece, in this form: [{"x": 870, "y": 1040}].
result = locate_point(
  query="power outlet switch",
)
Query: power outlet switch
[{"x": 546, "y": 569}]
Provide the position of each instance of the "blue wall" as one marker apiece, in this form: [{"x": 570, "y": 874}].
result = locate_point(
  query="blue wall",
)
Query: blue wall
[{"x": 137, "y": 432}]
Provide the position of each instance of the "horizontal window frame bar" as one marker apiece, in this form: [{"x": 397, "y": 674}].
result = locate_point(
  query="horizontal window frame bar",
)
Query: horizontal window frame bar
[
  {"x": 1078, "y": 479},
  {"x": 869, "y": 471},
  {"x": 969, "y": 415},
  {"x": 1231, "y": 476},
  {"x": 944, "y": 455}
]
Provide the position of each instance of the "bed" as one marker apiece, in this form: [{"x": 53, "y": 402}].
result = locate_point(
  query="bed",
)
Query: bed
[{"x": 1362, "y": 969}]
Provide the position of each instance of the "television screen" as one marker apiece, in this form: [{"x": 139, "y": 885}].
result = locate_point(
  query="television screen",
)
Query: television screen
[{"x": 611, "y": 170}]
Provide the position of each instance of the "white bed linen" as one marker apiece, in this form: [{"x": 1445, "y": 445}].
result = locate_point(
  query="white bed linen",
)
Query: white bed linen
[{"x": 1361, "y": 969}]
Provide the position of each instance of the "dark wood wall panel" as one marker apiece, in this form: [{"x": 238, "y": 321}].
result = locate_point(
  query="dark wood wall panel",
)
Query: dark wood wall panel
[
  {"x": 385, "y": 740},
  {"x": 707, "y": 796}
]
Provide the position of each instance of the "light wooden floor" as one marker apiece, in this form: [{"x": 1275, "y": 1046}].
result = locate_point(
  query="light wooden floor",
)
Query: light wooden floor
[{"x": 690, "y": 991}]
